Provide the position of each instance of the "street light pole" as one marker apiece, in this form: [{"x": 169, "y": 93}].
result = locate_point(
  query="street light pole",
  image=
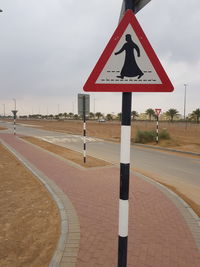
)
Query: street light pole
[
  {"x": 14, "y": 102},
  {"x": 4, "y": 110},
  {"x": 184, "y": 116}
]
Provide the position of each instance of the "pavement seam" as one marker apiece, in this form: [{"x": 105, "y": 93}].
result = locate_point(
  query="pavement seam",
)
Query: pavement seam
[
  {"x": 70, "y": 228},
  {"x": 190, "y": 217}
]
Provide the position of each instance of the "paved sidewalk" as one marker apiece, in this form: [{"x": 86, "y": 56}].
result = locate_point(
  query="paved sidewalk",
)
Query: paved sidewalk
[{"x": 158, "y": 234}]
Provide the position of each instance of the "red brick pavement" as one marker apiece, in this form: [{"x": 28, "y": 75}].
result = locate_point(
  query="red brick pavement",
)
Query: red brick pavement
[{"x": 158, "y": 234}]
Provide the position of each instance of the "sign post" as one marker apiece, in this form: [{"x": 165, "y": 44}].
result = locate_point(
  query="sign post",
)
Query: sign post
[
  {"x": 83, "y": 110},
  {"x": 128, "y": 64},
  {"x": 14, "y": 116},
  {"x": 124, "y": 170},
  {"x": 157, "y": 110},
  {"x": 135, "y": 5}
]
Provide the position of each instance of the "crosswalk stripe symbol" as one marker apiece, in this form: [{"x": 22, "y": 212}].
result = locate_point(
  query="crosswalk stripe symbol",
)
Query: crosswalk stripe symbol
[{"x": 128, "y": 63}]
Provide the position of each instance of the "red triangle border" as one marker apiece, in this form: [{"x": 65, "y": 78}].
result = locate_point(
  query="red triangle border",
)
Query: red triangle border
[{"x": 165, "y": 86}]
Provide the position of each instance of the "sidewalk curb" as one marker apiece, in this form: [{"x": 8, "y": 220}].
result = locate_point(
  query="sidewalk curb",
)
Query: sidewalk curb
[
  {"x": 191, "y": 218},
  {"x": 68, "y": 244}
]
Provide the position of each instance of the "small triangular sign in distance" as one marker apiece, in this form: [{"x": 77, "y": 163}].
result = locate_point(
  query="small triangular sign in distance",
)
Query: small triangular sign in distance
[
  {"x": 128, "y": 63},
  {"x": 157, "y": 110}
]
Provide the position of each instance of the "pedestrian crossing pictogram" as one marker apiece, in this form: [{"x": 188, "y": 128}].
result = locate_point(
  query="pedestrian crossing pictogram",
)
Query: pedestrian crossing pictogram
[{"x": 128, "y": 63}]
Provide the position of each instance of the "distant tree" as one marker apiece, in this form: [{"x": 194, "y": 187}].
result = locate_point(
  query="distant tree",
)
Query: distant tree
[
  {"x": 195, "y": 115},
  {"x": 150, "y": 112},
  {"x": 171, "y": 113},
  {"x": 134, "y": 114},
  {"x": 76, "y": 117},
  {"x": 35, "y": 116},
  {"x": 65, "y": 114},
  {"x": 23, "y": 117},
  {"x": 98, "y": 115},
  {"x": 119, "y": 116},
  {"x": 91, "y": 115},
  {"x": 109, "y": 117},
  {"x": 71, "y": 115}
]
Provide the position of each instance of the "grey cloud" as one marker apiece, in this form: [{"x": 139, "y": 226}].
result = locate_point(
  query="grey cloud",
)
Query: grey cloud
[{"x": 50, "y": 47}]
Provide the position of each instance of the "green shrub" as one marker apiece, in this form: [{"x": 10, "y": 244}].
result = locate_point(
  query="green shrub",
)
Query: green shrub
[
  {"x": 150, "y": 136},
  {"x": 163, "y": 134},
  {"x": 145, "y": 136}
]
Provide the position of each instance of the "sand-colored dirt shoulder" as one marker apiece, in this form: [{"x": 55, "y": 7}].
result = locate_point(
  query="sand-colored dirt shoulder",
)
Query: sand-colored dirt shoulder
[
  {"x": 67, "y": 153},
  {"x": 29, "y": 219}
]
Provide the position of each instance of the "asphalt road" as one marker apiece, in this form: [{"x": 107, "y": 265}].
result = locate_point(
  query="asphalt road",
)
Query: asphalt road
[{"x": 156, "y": 163}]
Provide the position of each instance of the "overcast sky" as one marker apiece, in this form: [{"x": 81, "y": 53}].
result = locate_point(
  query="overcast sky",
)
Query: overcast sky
[{"x": 48, "y": 48}]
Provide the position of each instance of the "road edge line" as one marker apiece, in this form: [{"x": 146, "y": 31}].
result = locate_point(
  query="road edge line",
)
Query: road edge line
[{"x": 166, "y": 149}]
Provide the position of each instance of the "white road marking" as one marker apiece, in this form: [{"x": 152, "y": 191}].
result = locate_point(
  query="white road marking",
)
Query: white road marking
[{"x": 70, "y": 139}]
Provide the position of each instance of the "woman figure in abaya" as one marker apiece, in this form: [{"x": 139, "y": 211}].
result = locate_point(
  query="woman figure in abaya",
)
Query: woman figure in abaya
[{"x": 130, "y": 68}]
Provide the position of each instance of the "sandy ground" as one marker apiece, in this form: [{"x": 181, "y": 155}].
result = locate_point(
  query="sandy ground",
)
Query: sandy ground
[
  {"x": 183, "y": 136},
  {"x": 29, "y": 219}
]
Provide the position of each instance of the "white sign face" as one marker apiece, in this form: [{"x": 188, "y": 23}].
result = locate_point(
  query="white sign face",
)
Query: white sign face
[
  {"x": 116, "y": 70},
  {"x": 128, "y": 63}
]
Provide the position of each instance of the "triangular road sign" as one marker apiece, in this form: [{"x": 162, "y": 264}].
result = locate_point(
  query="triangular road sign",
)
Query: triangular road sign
[
  {"x": 128, "y": 63},
  {"x": 157, "y": 110}
]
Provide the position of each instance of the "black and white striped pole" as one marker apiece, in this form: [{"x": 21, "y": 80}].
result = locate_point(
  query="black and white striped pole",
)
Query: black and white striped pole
[
  {"x": 158, "y": 110},
  {"x": 124, "y": 170},
  {"x": 83, "y": 111},
  {"x": 157, "y": 130},
  {"x": 84, "y": 131},
  {"x": 124, "y": 179},
  {"x": 14, "y": 124}
]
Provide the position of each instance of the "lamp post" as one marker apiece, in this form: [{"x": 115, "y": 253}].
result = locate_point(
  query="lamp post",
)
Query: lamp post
[
  {"x": 184, "y": 116},
  {"x": 4, "y": 110},
  {"x": 15, "y": 103}
]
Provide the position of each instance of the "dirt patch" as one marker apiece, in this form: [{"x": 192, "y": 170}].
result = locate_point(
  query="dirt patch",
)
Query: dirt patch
[
  {"x": 2, "y": 128},
  {"x": 29, "y": 219},
  {"x": 183, "y": 136},
  {"x": 67, "y": 153}
]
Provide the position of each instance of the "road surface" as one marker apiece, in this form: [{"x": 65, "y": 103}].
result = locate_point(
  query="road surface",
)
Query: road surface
[{"x": 179, "y": 170}]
